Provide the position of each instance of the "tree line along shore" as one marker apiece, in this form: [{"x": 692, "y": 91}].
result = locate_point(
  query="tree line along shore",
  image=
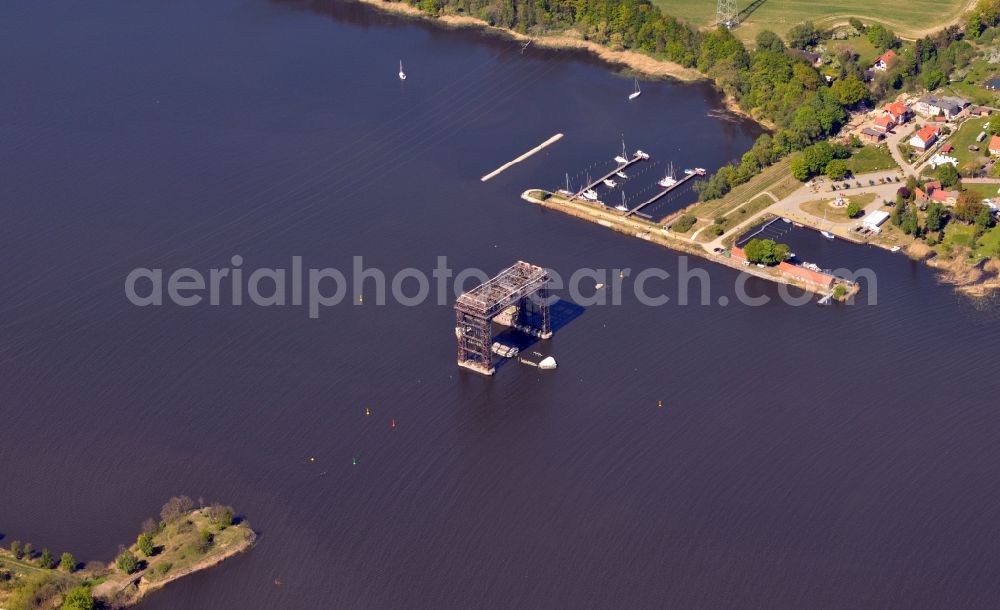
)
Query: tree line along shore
[
  {"x": 186, "y": 539},
  {"x": 805, "y": 87}
]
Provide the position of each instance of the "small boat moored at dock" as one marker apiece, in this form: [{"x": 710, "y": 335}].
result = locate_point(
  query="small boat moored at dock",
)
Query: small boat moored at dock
[
  {"x": 621, "y": 207},
  {"x": 642, "y": 155},
  {"x": 668, "y": 179},
  {"x": 608, "y": 182},
  {"x": 826, "y": 234},
  {"x": 621, "y": 175},
  {"x": 589, "y": 195}
]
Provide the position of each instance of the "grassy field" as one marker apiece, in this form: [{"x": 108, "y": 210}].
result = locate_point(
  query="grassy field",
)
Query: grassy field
[
  {"x": 776, "y": 179},
  {"x": 966, "y": 136},
  {"x": 870, "y": 159},
  {"x": 983, "y": 191},
  {"x": 821, "y": 208},
  {"x": 909, "y": 19}
]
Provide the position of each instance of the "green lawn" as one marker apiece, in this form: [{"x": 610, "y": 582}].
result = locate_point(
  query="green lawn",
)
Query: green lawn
[
  {"x": 965, "y": 137},
  {"x": 908, "y": 18},
  {"x": 989, "y": 243},
  {"x": 983, "y": 191},
  {"x": 870, "y": 159},
  {"x": 860, "y": 45},
  {"x": 776, "y": 179},
  {"x": 971, "y": 83}
]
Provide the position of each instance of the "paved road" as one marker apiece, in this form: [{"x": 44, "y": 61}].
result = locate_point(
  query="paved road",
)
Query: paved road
[{"x": 789, "y": 206}]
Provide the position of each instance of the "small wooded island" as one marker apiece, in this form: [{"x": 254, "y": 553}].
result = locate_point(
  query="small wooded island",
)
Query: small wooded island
[{"x": 185, "y": 540}]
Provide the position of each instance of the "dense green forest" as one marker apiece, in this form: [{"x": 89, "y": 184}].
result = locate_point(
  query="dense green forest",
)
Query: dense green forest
[{"x": 776, "y": 86}]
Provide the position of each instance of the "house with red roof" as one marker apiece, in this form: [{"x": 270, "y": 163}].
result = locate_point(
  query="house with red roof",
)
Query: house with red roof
[
  {"x": 899, "y": 112},
  {"x": 994, "y": 146},
  {"x": 925, "y": 137},
  {"x": 945, "y": 197},
  {"x": 885, "y": 61},
  {"x": 884, "y": 123},
  {"x": 808, "y": 276}
]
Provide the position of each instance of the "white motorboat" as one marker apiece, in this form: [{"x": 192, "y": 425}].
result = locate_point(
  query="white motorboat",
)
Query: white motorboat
[
  {"x": 547, "y": 363},
  {"x": 826, "y": 234},
  {"x": 621, "y": 175},
  {"x": 608, "y": 182},
  {"x": 642, "y": 155},
  {"x": 589, "y": 195}
]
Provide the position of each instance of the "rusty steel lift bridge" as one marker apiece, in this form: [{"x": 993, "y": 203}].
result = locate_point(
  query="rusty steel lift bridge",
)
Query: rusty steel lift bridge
[{"x": 521, "y": 285}]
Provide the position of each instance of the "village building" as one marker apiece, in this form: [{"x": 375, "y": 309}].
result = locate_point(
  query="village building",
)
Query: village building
[
  {"x": 899, "y": 112},
  {"x": 884, "y": 123},
  {"x": 875, "y": 220},
  {"x": 945, "y": 197},
  {"x": 870, "y": 135},
  {"x": 885, "y": 61},
  {"x": 924, "y": 138},
  {"x": 807, "y": 276},
  {"x": 934, "y": 105},
  {"x": 994, "y": 146}
]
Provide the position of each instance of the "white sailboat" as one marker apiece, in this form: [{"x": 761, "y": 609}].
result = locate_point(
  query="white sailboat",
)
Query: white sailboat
[
  {"x": 402, "y": 75},
  {"x": 608, "y": 182},
  {"x": 826, "y": 234},
  {"x": 589, "y": 194},
  {"x": 621, "y": 174},
  {"x": 621, "y": 207},
  {"x": 668, "y": 180},
  {"x": 566, "y": 191},
  {"x": 637, "y": 91},
  {"x": 622, "y": 158}
]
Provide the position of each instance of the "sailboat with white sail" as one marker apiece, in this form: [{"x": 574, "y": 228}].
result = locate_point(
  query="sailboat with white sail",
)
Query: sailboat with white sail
[
  {"x": 621, "y": 207},
  {"x": 402, "y": 75},
  {"x": 622, "y": 158},
  {"x": 668, "y": 180},
  {"x": 637, "y": 91},
  {"x": 566, "y": 191}
]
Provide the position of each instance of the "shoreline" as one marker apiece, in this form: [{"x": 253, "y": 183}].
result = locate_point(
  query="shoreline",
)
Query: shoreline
[
  {"x": 652, "y": 233},
  {"x": 189, "y": 542},
  {"x": 633, "y": 60}
]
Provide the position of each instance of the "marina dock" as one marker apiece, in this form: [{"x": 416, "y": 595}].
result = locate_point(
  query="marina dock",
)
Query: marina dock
[
  {"x": 687, "y": 176},
  {"x": 637, "y": 157}
]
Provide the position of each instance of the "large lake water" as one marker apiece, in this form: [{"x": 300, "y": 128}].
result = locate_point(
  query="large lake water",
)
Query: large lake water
[{"x": 804, "y": 457}]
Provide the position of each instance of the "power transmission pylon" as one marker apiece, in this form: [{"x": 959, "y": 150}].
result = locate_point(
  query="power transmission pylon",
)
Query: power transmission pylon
[{"x": 727, "y": 14}]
